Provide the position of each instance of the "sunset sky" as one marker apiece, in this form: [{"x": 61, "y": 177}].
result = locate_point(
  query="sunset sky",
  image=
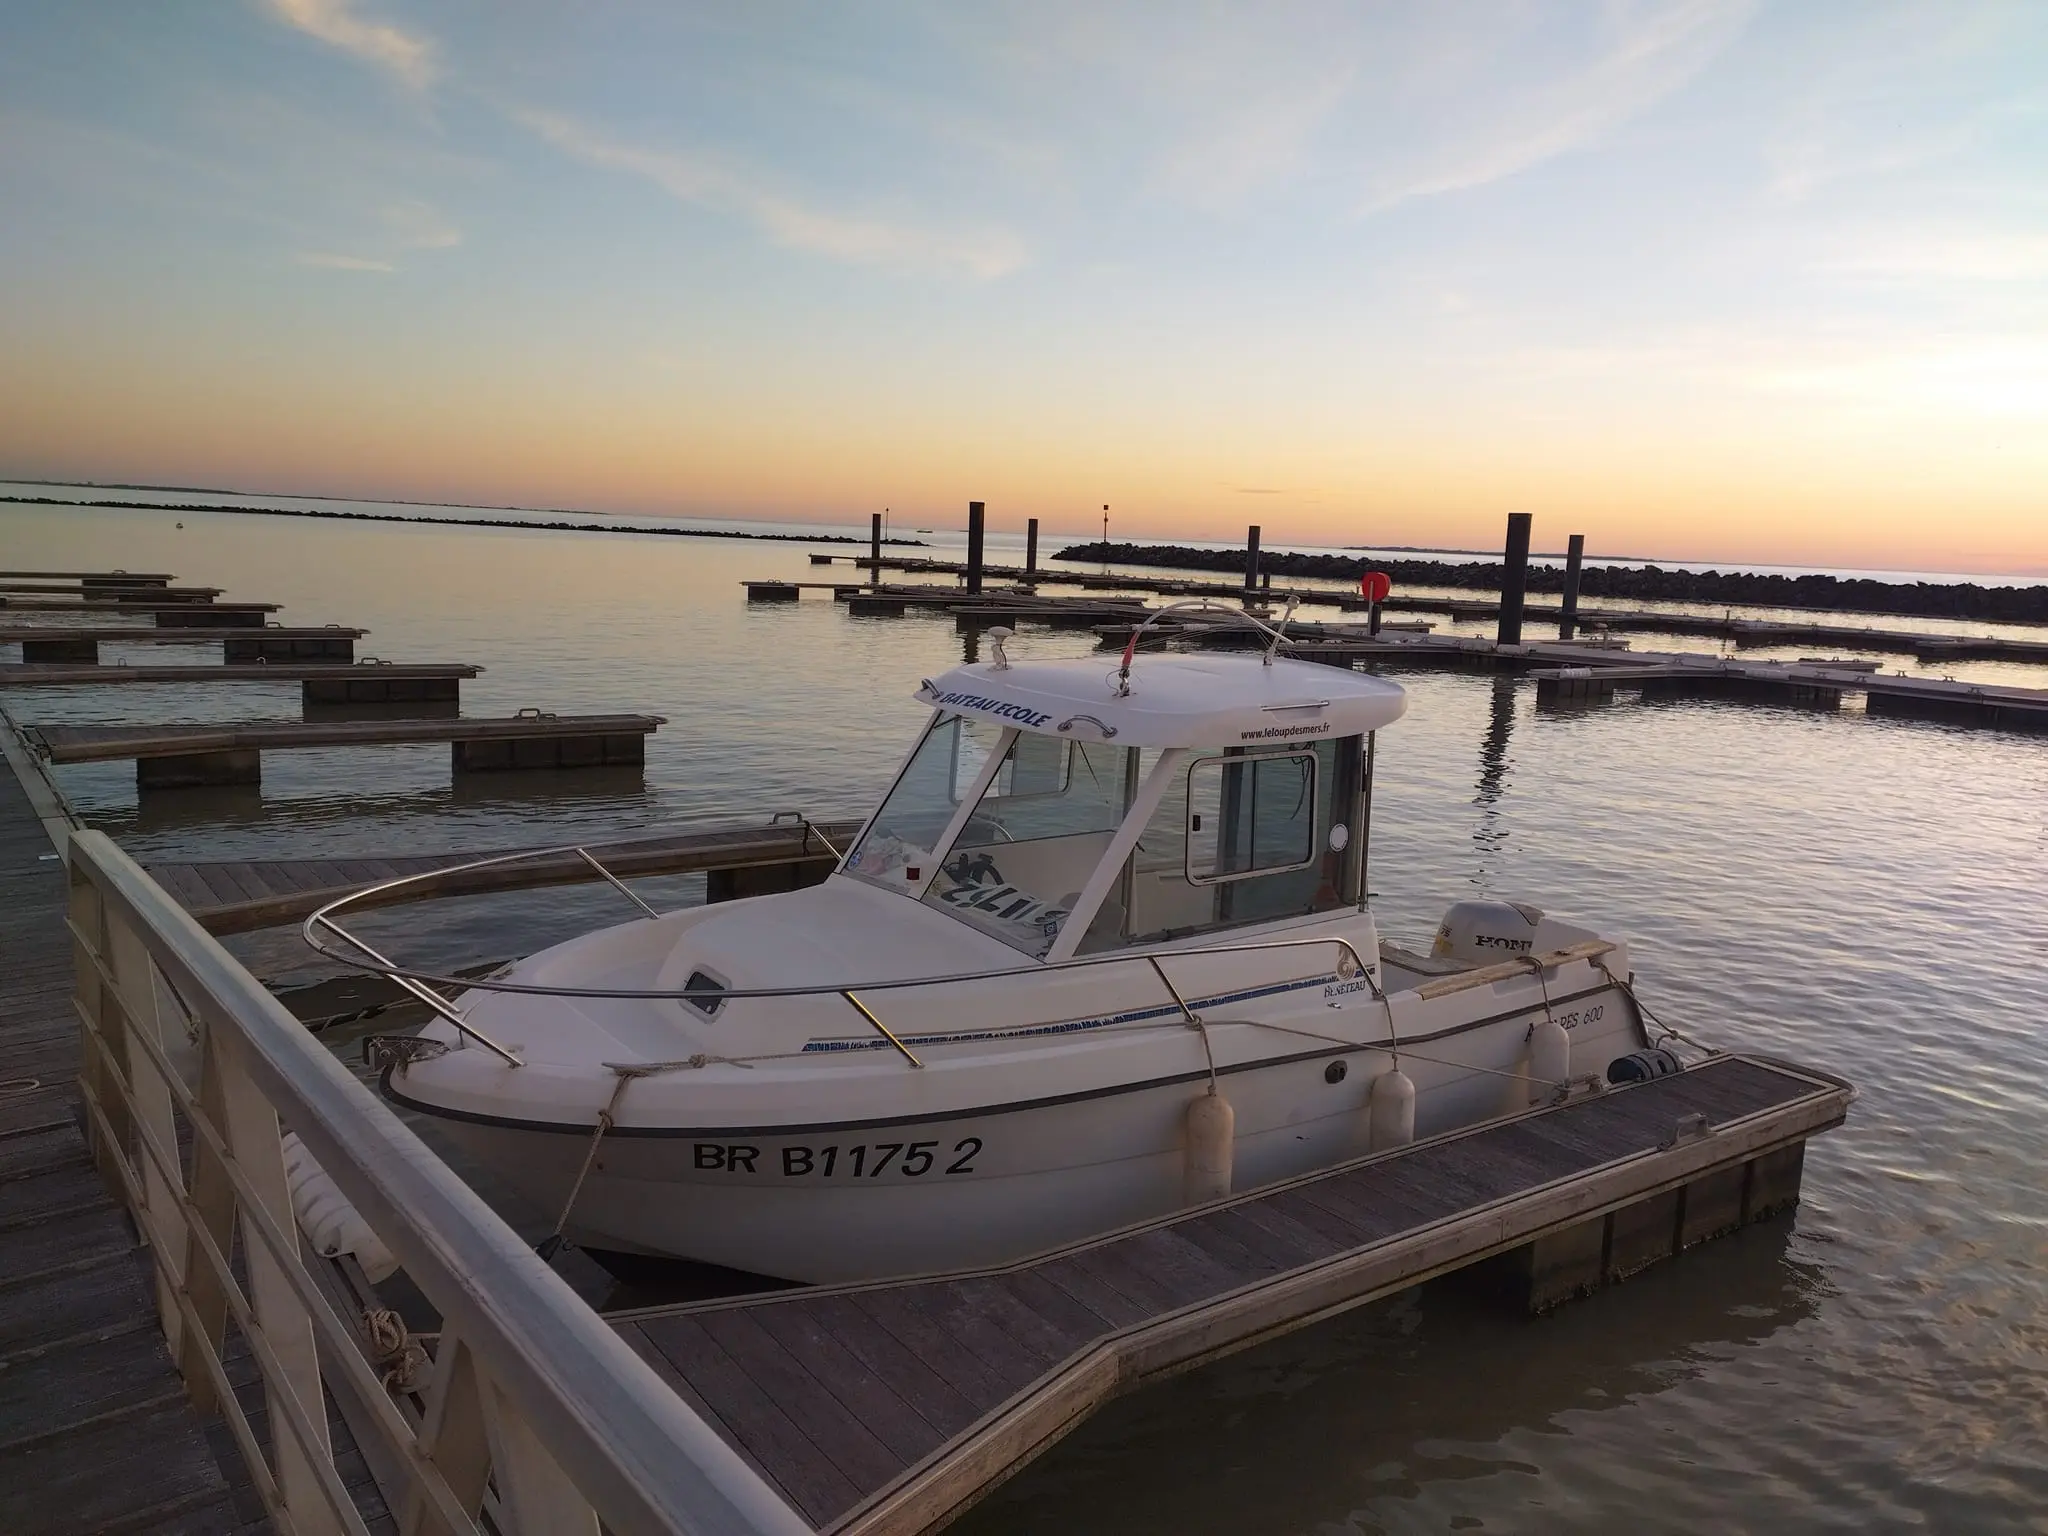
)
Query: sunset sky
[{"x": 1708, "y": 280}]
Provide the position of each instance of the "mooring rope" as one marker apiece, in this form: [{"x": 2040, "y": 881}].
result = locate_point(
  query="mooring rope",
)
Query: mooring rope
[
  {"x": 552, "y": 1244},
  {"x": 1536, "y": 966},
  {"x": 1642, "y": 1011}
]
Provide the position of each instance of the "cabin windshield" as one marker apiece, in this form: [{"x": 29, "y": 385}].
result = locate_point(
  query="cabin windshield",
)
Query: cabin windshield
[
  {"x": 1021, "y": 859},
  {"x": 1022, "y": 854},
  {"x": 899, "y": 849}
]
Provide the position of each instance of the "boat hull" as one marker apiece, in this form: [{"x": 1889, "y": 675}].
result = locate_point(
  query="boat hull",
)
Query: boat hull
[{"x": 863, "y": 1200}]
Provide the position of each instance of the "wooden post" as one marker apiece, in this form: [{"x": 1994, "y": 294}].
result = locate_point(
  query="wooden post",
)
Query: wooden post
[
  {"x": 249, "y": 1126},
  {"x": 875, "y": 549},
  {"x": 1575, "y": 552},
  {"x": 1251, "y": 559},
  {"x": 1514, "y": 581},
  {"x": 1031, "y": 550},
  {"x": 138, "y": 997},
  {"x": 976, "y": 517}
]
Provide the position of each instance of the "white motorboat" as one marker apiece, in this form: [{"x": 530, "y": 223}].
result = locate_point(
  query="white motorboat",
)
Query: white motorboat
[{"x": 1103, "y": 950}]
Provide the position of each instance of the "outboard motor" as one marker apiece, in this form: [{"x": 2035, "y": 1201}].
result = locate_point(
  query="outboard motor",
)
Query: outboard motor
[{"x": 1486, "y": 932}]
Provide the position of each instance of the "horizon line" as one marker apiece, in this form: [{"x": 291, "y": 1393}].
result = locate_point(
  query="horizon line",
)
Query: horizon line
[{"x": 2020, "y": 573}]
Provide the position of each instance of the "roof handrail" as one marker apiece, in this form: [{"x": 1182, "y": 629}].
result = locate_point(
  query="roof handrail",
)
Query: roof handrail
[{"x": 1210, "y": 605}]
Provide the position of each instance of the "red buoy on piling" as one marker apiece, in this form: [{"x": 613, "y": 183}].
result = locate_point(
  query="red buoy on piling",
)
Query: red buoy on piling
[{"x": 1374, "y": 586}]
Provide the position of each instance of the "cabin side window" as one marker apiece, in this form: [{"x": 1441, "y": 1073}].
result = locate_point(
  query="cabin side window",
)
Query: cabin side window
[
  {"x": 1249, "y": 816},
  {"x": 1240, "y": 838}
]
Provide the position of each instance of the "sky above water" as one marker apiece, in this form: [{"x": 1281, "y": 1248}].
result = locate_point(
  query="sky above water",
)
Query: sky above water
[{"x": 1698, "y": 278}]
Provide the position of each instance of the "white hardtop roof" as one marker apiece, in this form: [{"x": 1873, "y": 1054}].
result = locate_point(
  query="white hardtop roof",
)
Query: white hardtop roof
[{"x": 1232, "y": 699}]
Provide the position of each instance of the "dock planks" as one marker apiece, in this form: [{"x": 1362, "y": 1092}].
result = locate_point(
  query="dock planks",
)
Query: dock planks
[
  {"x": 66, "y": 675},
  {"x": 101, "y": 743},
  {"x": 96, "y": 1432},
  {"x": 121, "y": 591},
  {"x": 888, "y": 1407},
  {"x": 1822, "y": 686},
  {"x": 183, "y": 613},
  {"x": 149, "y": 634}
]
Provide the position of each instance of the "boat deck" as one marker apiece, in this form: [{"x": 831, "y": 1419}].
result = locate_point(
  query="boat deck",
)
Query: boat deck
[{"x": 889, "y": 1407}]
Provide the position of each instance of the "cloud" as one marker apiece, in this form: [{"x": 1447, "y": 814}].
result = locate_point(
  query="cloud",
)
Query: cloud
[
  {"x": 335, "y": 261},
  {"x": 705, "y": 182},
  {"x": 1646, "y": 55},
  {"x": 406, "y": 55}
]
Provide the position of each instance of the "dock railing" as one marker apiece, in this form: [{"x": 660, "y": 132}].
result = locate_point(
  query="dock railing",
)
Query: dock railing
[{"x": 529, "y": 1404}]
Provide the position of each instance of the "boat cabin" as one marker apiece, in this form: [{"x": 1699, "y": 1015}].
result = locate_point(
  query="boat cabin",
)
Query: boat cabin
[{"x": 1067, "y": 809}]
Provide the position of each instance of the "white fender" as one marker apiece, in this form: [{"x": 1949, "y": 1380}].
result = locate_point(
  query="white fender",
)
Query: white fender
[
  {"x": 1212, "y": 1141},
  {"x": 1390, "y": 1111},
  {"x": 330, "y": 1223},
  {"x": 1550, "y": 1060}
]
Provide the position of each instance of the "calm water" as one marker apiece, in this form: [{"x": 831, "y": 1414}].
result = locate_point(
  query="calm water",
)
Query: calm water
[{"x": 1867, "y": 895}]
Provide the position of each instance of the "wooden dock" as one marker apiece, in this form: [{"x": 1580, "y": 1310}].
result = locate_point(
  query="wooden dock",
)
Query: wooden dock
[
  {"x": 236, "y": 896},
  {"x": 80, "y": 644},
  {"x": 1583, "y": 672},
  {"x": 1598, "y": 620},
  {"x": 1812, "y": 687},
  {"x": 119, "y": 592},
  {"x": 168, "y": 756},
  {"x": 168, "y": 616},
  {"x": 96, "y": 578},
  {"x": 887, "y": 1408},
  {"x": 96, "y": 1431},
  {"x": 320, "y": 682}
]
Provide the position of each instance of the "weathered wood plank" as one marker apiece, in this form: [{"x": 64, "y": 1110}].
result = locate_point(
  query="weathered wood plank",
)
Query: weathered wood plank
[
  {"x": 108, "y": 674},
  {"x": 829, "y": 1424},
  {"x": 894, "y": 1420},
  {"x": 805, "y": 1474},
  {"x": 906, "y": 1373},
  {"x": 101, "y": 743}
]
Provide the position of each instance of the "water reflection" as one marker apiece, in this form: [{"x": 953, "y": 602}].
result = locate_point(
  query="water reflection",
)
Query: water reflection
[{"x": 1490, "y": 833}]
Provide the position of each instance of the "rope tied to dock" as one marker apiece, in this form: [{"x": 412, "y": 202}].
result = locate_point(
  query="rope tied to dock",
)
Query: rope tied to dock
[
  {"x": 397, "y": 1353},
  {"x": 1536, "y": 968}
]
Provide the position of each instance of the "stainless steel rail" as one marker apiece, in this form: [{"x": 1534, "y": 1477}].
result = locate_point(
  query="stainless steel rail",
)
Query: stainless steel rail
[
  {"x": 310, "y": 930},
  {"x": 1350, "y": 963},
  {"x": 532, "y": 1407}
]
